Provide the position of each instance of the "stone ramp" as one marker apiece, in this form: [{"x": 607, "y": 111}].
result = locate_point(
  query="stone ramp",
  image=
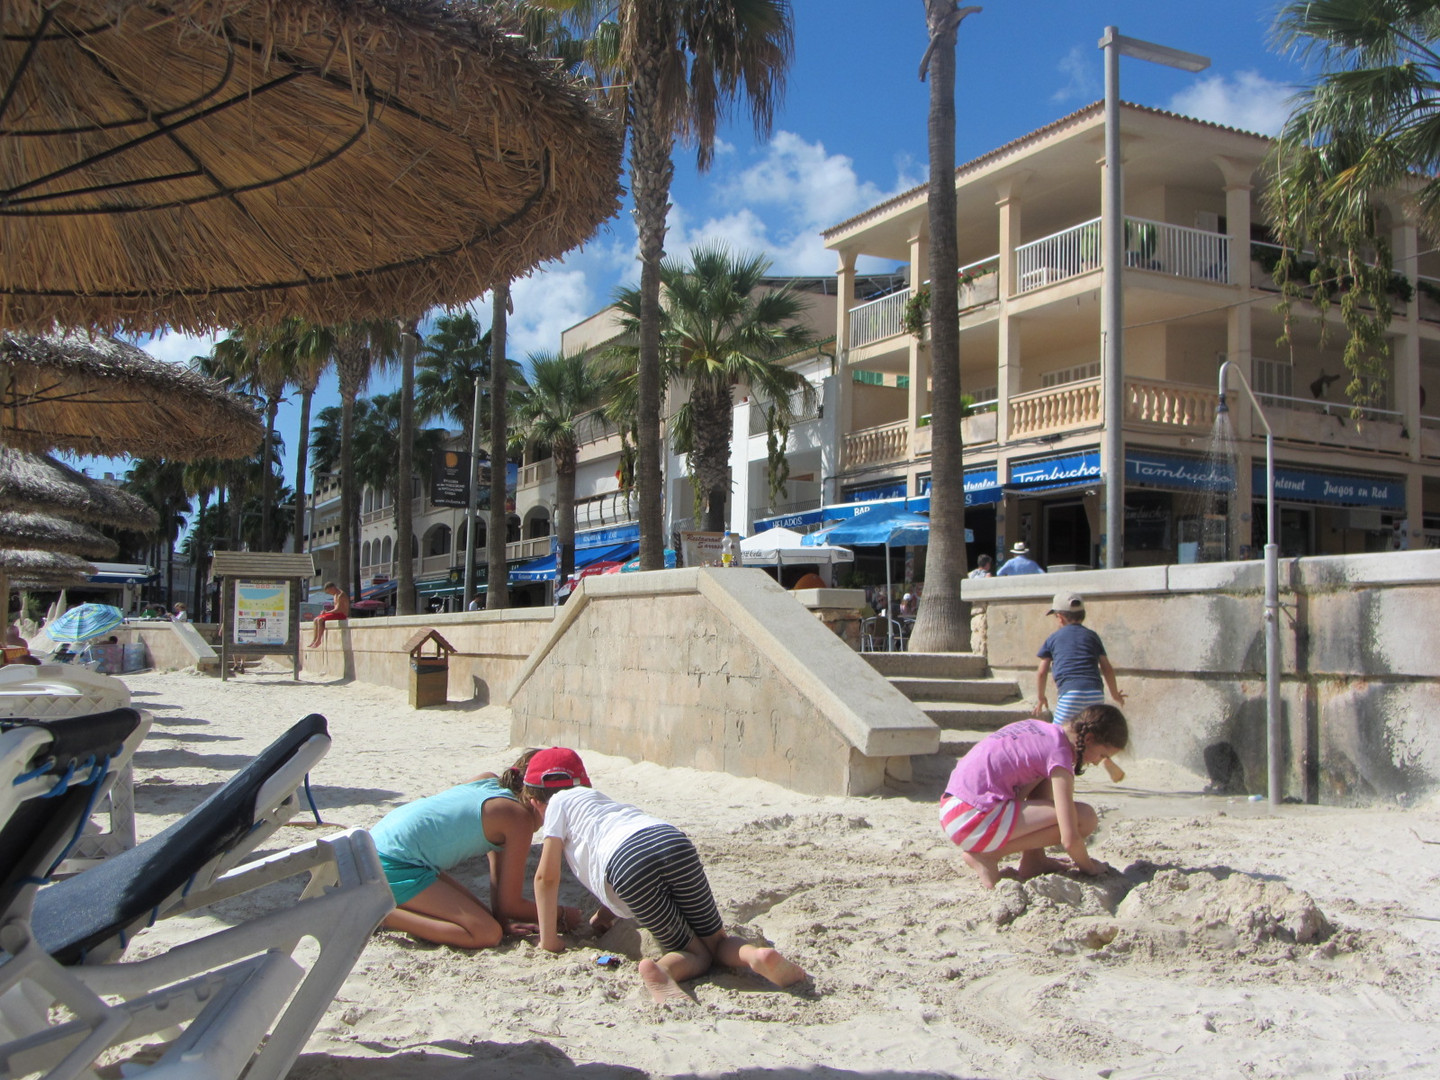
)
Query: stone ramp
[{"x": 957, "y": 691}]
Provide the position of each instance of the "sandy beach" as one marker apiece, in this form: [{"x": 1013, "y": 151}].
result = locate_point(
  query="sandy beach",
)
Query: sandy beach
[{"x": 1230, "y": 942}]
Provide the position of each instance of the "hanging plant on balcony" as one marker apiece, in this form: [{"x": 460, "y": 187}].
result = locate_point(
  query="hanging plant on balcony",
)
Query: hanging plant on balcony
[
  {"x": 777, "y": 437},
  {"x": 917, "y": 313}
]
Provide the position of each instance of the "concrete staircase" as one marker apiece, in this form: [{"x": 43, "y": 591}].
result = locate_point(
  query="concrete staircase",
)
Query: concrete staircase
[{"x": 957, "y": 691}]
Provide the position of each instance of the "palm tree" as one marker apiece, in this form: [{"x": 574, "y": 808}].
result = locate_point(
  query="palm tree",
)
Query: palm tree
[
  {"x": 453, "y": 358},
  {"x": 1364, "y": 131},
  {"x": 723, "y": 326},
  {"x": 312, "y": 347},
  {"x": 684, "y": 63},
  {"x": 201, "y": 479},
  {"x": 404, "y": 504},
  {"x": 547, "y": 413},
  {"x": 943, "y": 623},
  {"x": 361, "y": 349},
  {"x": 265, "y": 363},
  {"x": 160, "y": 483}
]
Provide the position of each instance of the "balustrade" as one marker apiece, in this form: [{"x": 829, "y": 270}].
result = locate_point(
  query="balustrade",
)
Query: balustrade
[
  {"x": 1072, "y": 405},
  {"x": 879, "y": 319},
  {"x": 878, "y": 445},
  {"x": 1170, "y": 404}
]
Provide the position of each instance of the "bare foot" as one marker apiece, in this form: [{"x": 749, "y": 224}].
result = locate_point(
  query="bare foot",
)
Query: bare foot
[
  {"x": 989, "y": 871},
  {"x": 769, "y": 963},
  {"x": 602, "y": 921},
  {"x": 663, "y": 989},
  {"x": 1033, "y": 864}
]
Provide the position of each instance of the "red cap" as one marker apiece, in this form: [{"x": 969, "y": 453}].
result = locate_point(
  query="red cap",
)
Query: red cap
[{"x": 557, "y": 767}]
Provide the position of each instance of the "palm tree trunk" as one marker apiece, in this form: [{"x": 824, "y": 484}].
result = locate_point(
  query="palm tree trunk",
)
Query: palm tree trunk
[
  {"x": 565, "y": 510},
  {"x": 198, "y": 555},
  {"x": 712, "y": 410},
  {"x": 302, "y": 465},
  {"x": 497, "y": 573},
  {"x": 651, "y": 171},
  {"x": 943, "y": 622},
  {"x": 404, "y": 506},
  {"x": 267, "y": 477},
  {"x": 347, "y": 491}
]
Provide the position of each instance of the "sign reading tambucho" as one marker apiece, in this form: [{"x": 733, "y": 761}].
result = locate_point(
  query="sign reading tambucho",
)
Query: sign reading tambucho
[{"x": 450, "y": 479}]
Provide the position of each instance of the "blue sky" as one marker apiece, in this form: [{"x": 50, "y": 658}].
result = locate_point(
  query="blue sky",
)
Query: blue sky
[{"x": 851, "y": 132}]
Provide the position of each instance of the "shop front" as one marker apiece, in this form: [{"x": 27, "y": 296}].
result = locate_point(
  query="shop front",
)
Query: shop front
[
  {"x": 1052, "y": 504},
  {"x": 1176, "y": 507},
  {"x": 1328, "y": 513}
]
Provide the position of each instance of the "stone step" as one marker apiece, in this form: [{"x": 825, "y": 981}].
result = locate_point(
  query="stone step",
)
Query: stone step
[
  {"x": 928, "y": 665},
  {"x": 932, "y": 770},
  {"x": 989, "y": 691},
  {"x": 972, "y": 716}
]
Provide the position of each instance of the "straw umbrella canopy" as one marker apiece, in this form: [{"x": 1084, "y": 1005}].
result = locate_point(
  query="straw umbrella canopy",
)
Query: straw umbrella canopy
[
  {"x": 210, "y": 163},
  {"x": 45, "y": 532},
  {"x": 43, "y": 569},
  {"x": 92, "y": 394},
  {"x": 37, "y": 483}
]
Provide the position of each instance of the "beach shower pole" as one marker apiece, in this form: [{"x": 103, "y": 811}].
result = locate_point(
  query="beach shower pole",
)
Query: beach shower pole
[{"x": 1273, "y": 736}]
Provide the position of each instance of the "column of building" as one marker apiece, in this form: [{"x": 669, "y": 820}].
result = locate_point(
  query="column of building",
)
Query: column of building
[
  {"x": 1008, "y": 357},
  {"x": 1238, "y": 328},
  {"x": 918, "y": 393}
]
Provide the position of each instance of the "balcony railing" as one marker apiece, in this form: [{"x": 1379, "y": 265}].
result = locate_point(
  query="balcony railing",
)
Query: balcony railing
[
  {"x": 1169, "y": 404},
  {"x": 528, "y": 549},
  {"x": 538, "y": 473},
  {"x": 1058, "y": 257},
  {"x": 1040, "y": 412},
  {"x": 879, "y": 319},
  {"x": 1176, "y": 250},
  {"x": 878, "y": 445}
]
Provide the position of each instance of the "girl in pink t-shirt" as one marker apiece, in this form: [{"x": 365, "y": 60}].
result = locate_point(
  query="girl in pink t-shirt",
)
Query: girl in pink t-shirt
[{"x": 1015, "y": 792}]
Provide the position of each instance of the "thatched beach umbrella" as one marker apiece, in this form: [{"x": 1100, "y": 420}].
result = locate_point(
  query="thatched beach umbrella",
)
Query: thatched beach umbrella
[
  {"x": 92, "y": 394},
  {"x": 45, "y": 532},
  {"x": 37, "y": 483},
  {"x": 43, "y": 569},
  {"x": 208, "y": 163}
]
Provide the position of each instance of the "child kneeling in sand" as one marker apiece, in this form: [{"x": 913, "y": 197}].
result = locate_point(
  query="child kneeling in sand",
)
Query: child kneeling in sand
[
  {"x": 637, "y": 867},
  {"x": 419, "y": 842},
  {"x": 1015, "y": 792}
]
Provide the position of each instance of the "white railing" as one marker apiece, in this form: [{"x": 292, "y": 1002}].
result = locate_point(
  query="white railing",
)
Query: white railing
[
  {"x": 1343, "y": 409},
  {"x": 1177, "y": 250},
  {"x": 879, "y": 319},
  {"x": 1058, "y": 257},
  {"x": 534, "y": 548},
  {"x": 878, "y": 445}
]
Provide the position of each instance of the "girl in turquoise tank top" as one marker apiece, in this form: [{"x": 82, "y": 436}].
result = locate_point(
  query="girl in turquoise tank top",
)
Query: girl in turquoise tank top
[{"x": 421, "y": 841}]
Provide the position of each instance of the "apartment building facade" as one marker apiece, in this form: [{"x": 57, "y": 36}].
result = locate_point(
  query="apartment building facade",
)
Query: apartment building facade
[{"x": 1197, "y": 291}]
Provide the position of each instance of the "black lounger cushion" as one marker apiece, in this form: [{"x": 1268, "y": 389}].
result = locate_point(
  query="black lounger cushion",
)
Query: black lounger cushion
[
  {"x": 75, "y": 915},
  {"x": 38, "y": 829}
]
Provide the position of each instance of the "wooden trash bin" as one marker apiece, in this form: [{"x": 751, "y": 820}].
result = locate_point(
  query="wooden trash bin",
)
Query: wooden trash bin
[{"x": 429, "y": 674}]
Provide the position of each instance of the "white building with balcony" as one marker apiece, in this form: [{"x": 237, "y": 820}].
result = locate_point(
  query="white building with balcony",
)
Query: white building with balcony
[{"x": 1196, "y": 292}]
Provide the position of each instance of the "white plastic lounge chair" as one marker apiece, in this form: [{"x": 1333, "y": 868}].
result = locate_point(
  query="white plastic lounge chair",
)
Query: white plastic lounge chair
[
  {"x": 58, "y": 690},
  {"x": 246, "y": 997}
]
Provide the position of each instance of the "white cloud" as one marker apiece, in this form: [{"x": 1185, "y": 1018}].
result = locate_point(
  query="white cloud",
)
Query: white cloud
[
  {"x": 1246, "y": 100},
  {"x": 1079, "y": 66},
  {"x": 179, "y": 348},
  {"x": 545, "y": 304}
]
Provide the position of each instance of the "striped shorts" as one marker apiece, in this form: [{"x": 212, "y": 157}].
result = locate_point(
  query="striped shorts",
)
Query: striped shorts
[
  {"x": 1073, "y": 702},
  {"x": 658, "y": 876},
  {"x": 977, "y": 830}
]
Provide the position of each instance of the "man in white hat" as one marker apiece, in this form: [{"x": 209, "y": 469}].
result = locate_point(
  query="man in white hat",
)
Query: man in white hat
[{"x": 1019, "y": 562}]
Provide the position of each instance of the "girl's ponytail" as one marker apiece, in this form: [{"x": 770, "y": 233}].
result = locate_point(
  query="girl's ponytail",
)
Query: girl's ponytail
[
  {"x": 1103, "y": 723},
  {"x": 513, "y": 778}
]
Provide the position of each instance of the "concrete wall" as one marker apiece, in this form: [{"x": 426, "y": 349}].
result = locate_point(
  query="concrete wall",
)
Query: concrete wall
[
  {"x": 491, "y": 647},
  {"x": 715, "y": 669},
  {"x": 1360, "y": 665}
]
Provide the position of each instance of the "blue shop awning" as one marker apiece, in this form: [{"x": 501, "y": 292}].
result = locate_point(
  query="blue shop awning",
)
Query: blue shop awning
[
  {"x": 375, "y": 592},
  {"x": 547, "y": 568}
]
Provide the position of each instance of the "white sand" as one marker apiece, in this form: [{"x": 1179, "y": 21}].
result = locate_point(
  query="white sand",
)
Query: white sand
[{"x": 1303, "y": 944}]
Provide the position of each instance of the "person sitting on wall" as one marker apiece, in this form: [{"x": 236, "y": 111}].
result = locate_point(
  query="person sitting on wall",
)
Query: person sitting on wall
[
  {"x": 1019, "y": 562},
  {"x": 339, "y": 609}
]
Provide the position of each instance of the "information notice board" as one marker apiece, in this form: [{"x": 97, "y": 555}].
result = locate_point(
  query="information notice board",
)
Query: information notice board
[{"x": 262, "y": 612}]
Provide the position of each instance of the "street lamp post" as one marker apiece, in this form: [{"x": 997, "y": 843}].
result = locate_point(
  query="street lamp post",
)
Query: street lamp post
[{"x": 1112, "y": 308}]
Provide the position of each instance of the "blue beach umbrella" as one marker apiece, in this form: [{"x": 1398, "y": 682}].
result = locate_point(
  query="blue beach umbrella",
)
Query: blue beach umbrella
[
  {"x": 84, "y": 622},
  {"x": 634, "y": 564},
  {"x": 900, "y": 528}
]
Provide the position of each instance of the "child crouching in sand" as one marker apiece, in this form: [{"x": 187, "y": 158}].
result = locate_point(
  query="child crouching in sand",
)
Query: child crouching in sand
[
  {"x": 637, "y": 867},
  {"x": 1015, "y": 792}
]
